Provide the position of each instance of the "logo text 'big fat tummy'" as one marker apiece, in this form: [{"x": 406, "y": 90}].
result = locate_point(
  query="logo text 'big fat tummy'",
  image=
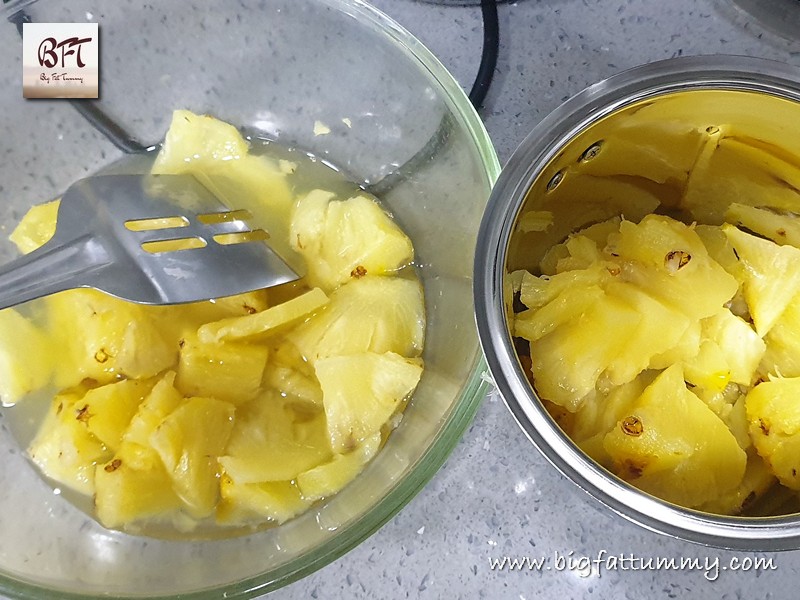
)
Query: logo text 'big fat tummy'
[{"x": 60, "y": 60}]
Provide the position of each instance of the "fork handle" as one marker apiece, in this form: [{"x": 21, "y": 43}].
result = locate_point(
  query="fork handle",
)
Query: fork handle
[{"x": 54, "y": 267}]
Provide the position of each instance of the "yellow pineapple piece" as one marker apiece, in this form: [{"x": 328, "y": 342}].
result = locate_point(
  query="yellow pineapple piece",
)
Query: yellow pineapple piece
[
  {"x": 535, "y": 323},
  {"x": 160, "y": 402},
  {"x": 330, "y": 477},
  {"x": 133, "y": 486},
  {"x": 198, "y": 140},
  {"x": 734, "y": 169},
  {"x": 741, "y": 346},
  {"x": 243, "y": 304},
  {"x": 346, "y": 239},
  {"x": 729, "y": 405},
  {"x": 361, "y": 391},
  {"x": 25, "y": 366},
  {"x": 567, "y": 362},
  {"x": 271, "y": 441},
  {"x": 229, "y": 371},
  {"x": 36, "y": 227},
  {"x": 250, "y": 503},
  {"x": 189, "y": 440},
  {"x": 668, "y": 260},
  {"x": 217, "y": 155},
  {"x": 661, "y": 328},
  {"x": 266, "y": 322},
  {"x": 771, "y": 276},
  {"x": 597, "y": 232},
  {"x": 291, "y": 376},
  {"x": 707, "y": 369},
  {"x": 686, "y": 347},
  {"x": 64, "y": 449},
  {"x": 757, "y": 481},
  {"x": 673, "y": 446},
  {"x": 372, "y": 314},
  {"x": 782, "y": 227},
  {"x": 535, "y": 220},
  {"x": 535, "y": 292},
  {"x": 774, "y": 416},
  {"x": 107, "y": 411},
  {"x": 782, "y": 355},
  {"x": 103, "y": 338}
]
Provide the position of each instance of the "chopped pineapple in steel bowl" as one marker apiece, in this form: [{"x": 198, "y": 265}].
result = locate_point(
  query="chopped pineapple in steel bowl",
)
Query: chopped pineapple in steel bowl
[
  {"x": 637, "y": 293},
  {"x": 231, "y": 447}
]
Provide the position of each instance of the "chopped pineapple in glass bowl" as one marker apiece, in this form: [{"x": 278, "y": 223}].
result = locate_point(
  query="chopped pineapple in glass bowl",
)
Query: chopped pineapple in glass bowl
[
  {"x": 643, "y": 246},
  {"x": 390, "y": 123}
]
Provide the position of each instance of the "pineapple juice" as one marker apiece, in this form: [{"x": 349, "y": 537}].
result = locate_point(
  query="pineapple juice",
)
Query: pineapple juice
[{"x": 245, "y": 506}]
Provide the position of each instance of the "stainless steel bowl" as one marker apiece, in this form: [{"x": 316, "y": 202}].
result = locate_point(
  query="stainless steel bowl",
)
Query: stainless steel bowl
[{"x": 759, "y": 96}]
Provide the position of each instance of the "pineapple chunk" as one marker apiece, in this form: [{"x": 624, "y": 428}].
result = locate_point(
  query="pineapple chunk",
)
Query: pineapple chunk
[
  {"x": 673, "y": 446},
  {"x": 103, "y": 338},
  {"x": 218, "y": 156},
  {"x": 344, "y": 240},
  {"x": 771, "y": 276},
  {"x": 668, "y": 260},
  {"x": 273, "y": 442},
  {"x": 161, "y": 401},
  {"x": 133, "y": 486},
  {"x": 708, "y": 369},
  {"x": 535, "y": 220},
  {"x": 372, "y": 314},
  {"x": 535, "y": 292},
  {"x": 64, "y": 449},
  {"x": 291, "y": 376},
  {"x": 198, "y": 140},
  {"x": 36, "y": 227},
  {"x": 263, "y": 323},
  {"x": 782, "y": 356},
  {"x": 780, "y": 227},
  {"x": 660, "y": 329},
  {"x": 757, "y": 481},
  {"x": 27, "y": 366},
  {"x": 598, "y": 233},
  {"x": 567, "y": 362},
  {"x": 731, "y": 168},
  {"x": 774, "y": 416},
  {"x": 361, "y": 391},
  {"x": 107, "y": 411},
  {"x": 601, "y": 413},
  {"x": 249, "y": 503},
  {"x": 329, "y": 478},
  {"x": 229, "y": 371},
  {"x": 741, "y": 346},
  {"x": 535, "y": 323},
  {"x": 189, "y": 440}
]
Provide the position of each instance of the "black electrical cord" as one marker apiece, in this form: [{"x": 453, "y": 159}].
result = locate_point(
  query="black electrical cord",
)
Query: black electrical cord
[{"x": 489, "y": 53}]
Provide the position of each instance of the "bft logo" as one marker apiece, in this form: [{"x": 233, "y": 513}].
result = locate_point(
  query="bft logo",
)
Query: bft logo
[
  {"x": 60, "y": 60},
  {"x": 48, "y": 57}
]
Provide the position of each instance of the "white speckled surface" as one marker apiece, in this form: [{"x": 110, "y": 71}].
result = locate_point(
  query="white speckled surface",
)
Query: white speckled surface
[{"x": 496, "y": 495}]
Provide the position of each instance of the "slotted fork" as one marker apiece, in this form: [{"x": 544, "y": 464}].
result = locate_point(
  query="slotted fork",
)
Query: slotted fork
[{"x": 151, "y": 239}]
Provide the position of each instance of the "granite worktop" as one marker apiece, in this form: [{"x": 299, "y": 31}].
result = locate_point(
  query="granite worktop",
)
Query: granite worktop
[{"x": 496, "y": 496}]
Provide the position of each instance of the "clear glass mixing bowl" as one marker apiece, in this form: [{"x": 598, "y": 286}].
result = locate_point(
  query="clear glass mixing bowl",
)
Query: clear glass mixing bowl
[{"x": 275, "y": 66}]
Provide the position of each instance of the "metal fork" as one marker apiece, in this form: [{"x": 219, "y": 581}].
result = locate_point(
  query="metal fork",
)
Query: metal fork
[{"x": 151, "y": 239}]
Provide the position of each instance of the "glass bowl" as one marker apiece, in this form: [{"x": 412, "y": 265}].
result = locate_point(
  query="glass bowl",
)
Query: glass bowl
[{"x": 399, "y": 124}]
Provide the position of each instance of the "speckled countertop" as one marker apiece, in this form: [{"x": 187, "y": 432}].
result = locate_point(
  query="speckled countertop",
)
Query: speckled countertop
[{"x": 496, "y": 495}]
